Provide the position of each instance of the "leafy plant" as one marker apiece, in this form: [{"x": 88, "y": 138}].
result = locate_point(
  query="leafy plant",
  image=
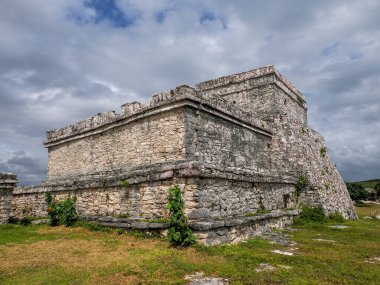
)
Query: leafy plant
[
  {"x": 125, "y": 183},
  {"x": 25, "y": 221},
  {"x": 301, "y": 184},
  {"x": 311, "y": 215},
  {"x": 323, "y": 151},
  {"x": 179, "y": 233},
  {"x": 61, "y": 212},
  {"x": 336, "y": 217}
]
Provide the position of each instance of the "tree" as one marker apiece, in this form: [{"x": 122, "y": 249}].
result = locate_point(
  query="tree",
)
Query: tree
[
  {"x": 377, "y": 190},
  {"x": 357, "y": 192}
]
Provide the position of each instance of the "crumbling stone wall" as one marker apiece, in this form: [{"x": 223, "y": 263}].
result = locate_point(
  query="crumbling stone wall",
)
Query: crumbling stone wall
[
  {"x": 7, "y": 183},
  {"x": 155, "y": 139},
  {"x": 295, "y": 148}
]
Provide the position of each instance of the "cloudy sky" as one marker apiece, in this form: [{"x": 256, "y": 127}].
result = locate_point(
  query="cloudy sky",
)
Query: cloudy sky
[{"x": 63, "y": 61}]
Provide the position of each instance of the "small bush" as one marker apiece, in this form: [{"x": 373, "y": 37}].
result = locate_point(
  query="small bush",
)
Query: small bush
[
  {"x": 61, "y": 212},
  {"x": 323, "y": 151},
  {"x": 25, "y": 221},
  {"x": 179, "y": 233},
  {"x": 310, "y": 215},
  {"x": 336, "y": 217},
  {"x": 125, "y": 183},
  {"x": 301, "y": 184}
]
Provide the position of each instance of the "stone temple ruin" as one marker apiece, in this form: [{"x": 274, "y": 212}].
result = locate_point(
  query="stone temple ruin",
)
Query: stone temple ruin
[{"x": 235, "y": 145}]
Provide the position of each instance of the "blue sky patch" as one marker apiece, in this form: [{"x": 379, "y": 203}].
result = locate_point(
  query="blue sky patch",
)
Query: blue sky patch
[
  {"x": 160, "y": 16},
  {"x": 105, "y": 11}
]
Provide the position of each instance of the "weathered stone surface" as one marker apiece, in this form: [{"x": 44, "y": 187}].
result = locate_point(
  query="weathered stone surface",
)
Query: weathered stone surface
[
  {"x": 7, "y": 183},
  {"x": 235, "y": 145}
]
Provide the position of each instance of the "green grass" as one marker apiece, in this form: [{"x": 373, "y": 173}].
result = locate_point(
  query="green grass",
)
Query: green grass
[{"x": 58, "y": 255}]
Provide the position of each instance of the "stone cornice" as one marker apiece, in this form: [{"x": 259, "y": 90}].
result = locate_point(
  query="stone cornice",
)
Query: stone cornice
[{"x": 160, "y": 102}]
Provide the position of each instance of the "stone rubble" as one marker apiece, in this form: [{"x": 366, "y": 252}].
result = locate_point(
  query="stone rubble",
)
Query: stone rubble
[{"x": 198, "y": 278}]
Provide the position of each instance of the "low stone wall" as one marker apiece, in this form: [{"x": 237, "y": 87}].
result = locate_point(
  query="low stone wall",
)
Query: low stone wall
[
  {"x": 212, "y": 196},
  {"x": 7, "y": 183},
  {"x": 242, "y": 228},
  {"x": 210, "y": 231}
]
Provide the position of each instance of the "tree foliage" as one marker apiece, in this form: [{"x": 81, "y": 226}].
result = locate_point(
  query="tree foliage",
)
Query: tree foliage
[{"x": 357, "y": 192}]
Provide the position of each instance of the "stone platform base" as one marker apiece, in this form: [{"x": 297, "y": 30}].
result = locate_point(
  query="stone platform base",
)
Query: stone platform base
[{"x": 210, "y": 232}]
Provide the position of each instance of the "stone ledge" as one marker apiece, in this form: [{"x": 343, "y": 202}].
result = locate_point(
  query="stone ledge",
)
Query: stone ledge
[
  {"x": 204, "y": 225},
  {"x": 180, "y": 169},
  {"x": 198, "y": 225}
]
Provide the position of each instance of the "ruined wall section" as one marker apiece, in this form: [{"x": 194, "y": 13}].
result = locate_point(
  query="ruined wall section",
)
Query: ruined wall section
[
  {"x": 256, "y": 92},
  {"x": 226, "y": 145},
  {"x": 7, "y": 184},
  {"x": 298, "y": 150},
  {"x": 294, "y": 149},
  {"x": 179, "y": 136},
  {"x": 155, "y": 139}
]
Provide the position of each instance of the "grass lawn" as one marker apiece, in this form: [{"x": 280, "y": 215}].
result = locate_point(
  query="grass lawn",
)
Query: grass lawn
[{"x": 58, "y": 255}]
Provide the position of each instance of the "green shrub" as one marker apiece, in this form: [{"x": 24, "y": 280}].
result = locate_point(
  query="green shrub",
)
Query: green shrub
[
  {"x": 179, "y": 233},
  {"x": 323, "y": 151},
  {"x": 61, "y": 212},
  {"x": 310, "y": 215},
  {"x": 125, "y": 183},
  {"x": 25, "y": 221},
  {"x": 336, "y": 217},
  {"x": 301, "y": 184}
]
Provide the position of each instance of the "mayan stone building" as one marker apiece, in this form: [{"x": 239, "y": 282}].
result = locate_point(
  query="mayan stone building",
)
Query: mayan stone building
[{"x": 235, "y": 145}]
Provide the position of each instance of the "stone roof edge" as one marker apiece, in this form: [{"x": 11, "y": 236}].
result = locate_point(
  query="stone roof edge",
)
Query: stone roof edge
[
  {"x": 242, "y": 76},
  {"x": 157, "y": 101}
]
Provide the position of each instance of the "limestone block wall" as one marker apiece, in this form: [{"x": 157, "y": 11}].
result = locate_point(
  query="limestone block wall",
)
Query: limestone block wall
[
  {"x": 223, "y": 198},
  {"x": 263, "y": 92},
  {"x": 298, "y": 150},
  {"x": 207, "y": 198},
  {"x": 225, "y": 144},
  {"x": 7, "y": 183},
  {"x": 155, "y": 139}
]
